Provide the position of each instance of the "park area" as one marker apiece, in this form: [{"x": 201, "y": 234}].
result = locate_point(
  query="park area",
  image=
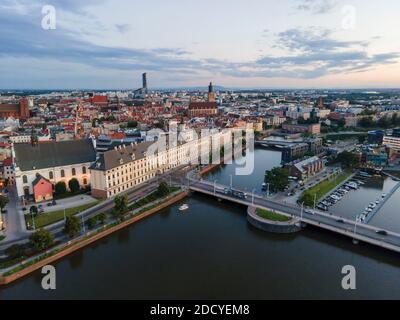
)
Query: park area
[
  {"x": 273, "y": 216},
  {"x": 318, "y": 191},
  {"x": 45, "y": 219}
]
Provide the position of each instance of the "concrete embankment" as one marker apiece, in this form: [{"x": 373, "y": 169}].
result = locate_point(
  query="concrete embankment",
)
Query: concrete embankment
[
  {"x": 80, "y": 243},
  {"x": 290, "y": 226}
]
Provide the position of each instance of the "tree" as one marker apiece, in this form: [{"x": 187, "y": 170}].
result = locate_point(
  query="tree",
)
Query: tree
[
  {"x": 15, "y": 251},
  {"x": 3, "y": 202},
  {"x": 307, "y": 198},
  {"x": 60, "y": 188},
  {"x": 41, "y": 240},
  {"x": 366, "y": 122},
  {"x": 361, "y": 139},
  {"x": 120, "y": 205},
  {"x": 384, "y": 122},
  {"x": 347, "y": 159},
  {"x": 132, "y": 124},
  {"x": 92, "y": 222},
  {"x": 101, "y": 217},
  {"x": 278, "y": 179},
  {"x": 33, "y": 210},
  {"x": 72, "y": 226},
  {"x": 73, "y": 185},
  {"x": 163, "y": 189}
]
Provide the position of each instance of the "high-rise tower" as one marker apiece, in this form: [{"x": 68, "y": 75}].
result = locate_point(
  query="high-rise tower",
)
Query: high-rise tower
[
  {"x": 211, "y": 94},
  {"x": 144, "y": 80}
]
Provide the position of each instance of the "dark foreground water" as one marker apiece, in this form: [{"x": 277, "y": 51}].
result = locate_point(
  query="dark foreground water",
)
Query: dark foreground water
[{"x": 210, "y": 251}]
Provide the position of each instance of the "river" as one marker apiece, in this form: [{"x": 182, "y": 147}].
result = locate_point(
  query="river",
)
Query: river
[{"x": 211, "y": 252}]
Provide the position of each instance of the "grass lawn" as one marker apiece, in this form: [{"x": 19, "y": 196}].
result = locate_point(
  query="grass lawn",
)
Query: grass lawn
[
  {"x": 271, "y": 215},
  {"x": 44, "y": 219},
  {"x": 322, "y": 188}
]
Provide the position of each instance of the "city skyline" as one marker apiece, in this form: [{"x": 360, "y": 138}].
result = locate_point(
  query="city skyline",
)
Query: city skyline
[{"x": 293, "y": 44}]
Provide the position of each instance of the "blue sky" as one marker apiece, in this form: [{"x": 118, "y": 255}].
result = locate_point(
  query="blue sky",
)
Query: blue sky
[{"x": 234, "y": 43}]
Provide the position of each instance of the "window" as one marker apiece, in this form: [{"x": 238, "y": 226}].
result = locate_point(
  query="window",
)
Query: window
[
  {"x": 84, "y": 170},
  {"x": 62, "y": 173},
  {"x": 73, "y": 171},
  {"x": 51, "y": 176},
  {"x": 84, "y": 181},
  {"x": 24, "y": 179}
]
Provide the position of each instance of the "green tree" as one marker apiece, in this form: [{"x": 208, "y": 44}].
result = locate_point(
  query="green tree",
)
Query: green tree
[
  {"x": 33, "y": 210},
  {"x": 366, "y": 122},
  {"x": 3, "y": 202},
  {"x": 102, "y": 217},
  {"x": 73, "y": 185},
  {"x": 60, "y": 188},
  {"x": 72, "y": 226},
  {"x": 92, "y": 222},
  {"x": 163, "y": 189},
  {"x": 120, "y": 205},
  {"x": 347, "y": 159},
  {"x": 132, "y": 124},
  {"x": 278, "y": 179},
  {"x": 15, "y": 251},
  {"x": 307, "y": 199},
  {"x": 41, "y": 240}
]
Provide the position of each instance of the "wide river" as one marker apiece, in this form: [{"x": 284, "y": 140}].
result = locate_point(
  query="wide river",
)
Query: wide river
[{"x": 211, "y": 252}]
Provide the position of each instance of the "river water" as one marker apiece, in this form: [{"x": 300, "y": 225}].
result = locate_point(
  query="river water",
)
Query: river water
[{"x": 211, "y": 252}]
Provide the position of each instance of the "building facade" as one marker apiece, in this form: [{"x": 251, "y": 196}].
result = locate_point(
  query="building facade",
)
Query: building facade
[
  {"x": 125, "y": 167},
  {"x": 54, "y": 161}
]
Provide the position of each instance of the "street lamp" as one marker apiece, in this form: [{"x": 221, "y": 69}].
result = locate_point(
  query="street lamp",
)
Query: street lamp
[
  {"x": 358, "y": 219},
  {"x": 315, "y": 200},
  {"x": 83, "y": 224},
  {"x": 33, "y": 221},
  {"x": 215, "y": 186},
  {"x": 252, "y": 198},
  {"x": 302, "y": 209},
  {"x": 231, "y": 181}
]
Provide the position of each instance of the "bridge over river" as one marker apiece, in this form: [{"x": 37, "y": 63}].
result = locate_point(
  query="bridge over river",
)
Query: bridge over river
[{"x": 350, "y": 228}]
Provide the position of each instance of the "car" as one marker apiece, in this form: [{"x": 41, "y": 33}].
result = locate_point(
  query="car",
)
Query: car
[
  {"x": 340, "y": 220},
  {"x": 382, "y": 232},
  {"x": 4, "y": 211},
  {"x": 310, "y": 212}
]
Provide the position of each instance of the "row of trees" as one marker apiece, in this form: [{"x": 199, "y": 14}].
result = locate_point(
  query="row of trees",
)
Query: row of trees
[
  {"x": 61, "y": 188},
  {"x": 384, "y": 122}
]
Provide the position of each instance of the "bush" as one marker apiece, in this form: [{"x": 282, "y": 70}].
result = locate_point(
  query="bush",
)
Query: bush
[
  {"x": 73, "y": 185},
  {"x": 15, "y": 251},
  {"x": 60, "y": 188},
  {"x": 41, "y": 240},
  {"x": 163, "y": 189},
  {"x": 92, "y": 222},
  {"x": 72, "y": 226}
]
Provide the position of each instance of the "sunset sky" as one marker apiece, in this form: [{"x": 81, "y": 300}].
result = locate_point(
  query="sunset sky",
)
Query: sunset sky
[{"x": 234, "y": 43}]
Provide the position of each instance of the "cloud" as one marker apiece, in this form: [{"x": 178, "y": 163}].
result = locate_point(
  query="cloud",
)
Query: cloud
[
  {"x": 317, "y": 6},
  {"x": 310, "y": 53},
  {"x": 303, "y": 53}
]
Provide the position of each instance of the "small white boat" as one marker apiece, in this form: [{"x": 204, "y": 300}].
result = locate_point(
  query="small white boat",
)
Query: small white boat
[{"x": 183, "y": 207}]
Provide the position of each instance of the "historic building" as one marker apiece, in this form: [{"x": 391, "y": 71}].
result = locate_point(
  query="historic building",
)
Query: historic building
[
  {"x": 54, "y": 161},
  {"x": 127, "y": 166},
  {"x": 15, "y": 110},
  {"x": 204, "y": 109}
]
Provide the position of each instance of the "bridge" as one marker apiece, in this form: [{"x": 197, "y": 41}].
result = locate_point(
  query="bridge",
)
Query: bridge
[
  {"x": 353, "y": 229},
  {"x": 277, "y": 143}
]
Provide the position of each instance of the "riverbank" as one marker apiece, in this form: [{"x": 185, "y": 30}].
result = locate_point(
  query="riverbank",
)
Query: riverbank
[{"x": 50, "y": 256}]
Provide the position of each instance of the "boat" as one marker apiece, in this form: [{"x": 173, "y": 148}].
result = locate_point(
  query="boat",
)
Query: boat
[
  {"x": 384, "y": 195},
  {"x": 183, "y": 207}
]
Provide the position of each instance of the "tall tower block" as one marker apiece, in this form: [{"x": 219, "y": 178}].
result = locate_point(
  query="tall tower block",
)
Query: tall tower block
[{"x": 144, "y": 80}]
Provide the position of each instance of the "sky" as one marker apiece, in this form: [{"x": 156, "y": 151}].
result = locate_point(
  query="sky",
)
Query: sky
[{"x": 107, "y": 44}]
